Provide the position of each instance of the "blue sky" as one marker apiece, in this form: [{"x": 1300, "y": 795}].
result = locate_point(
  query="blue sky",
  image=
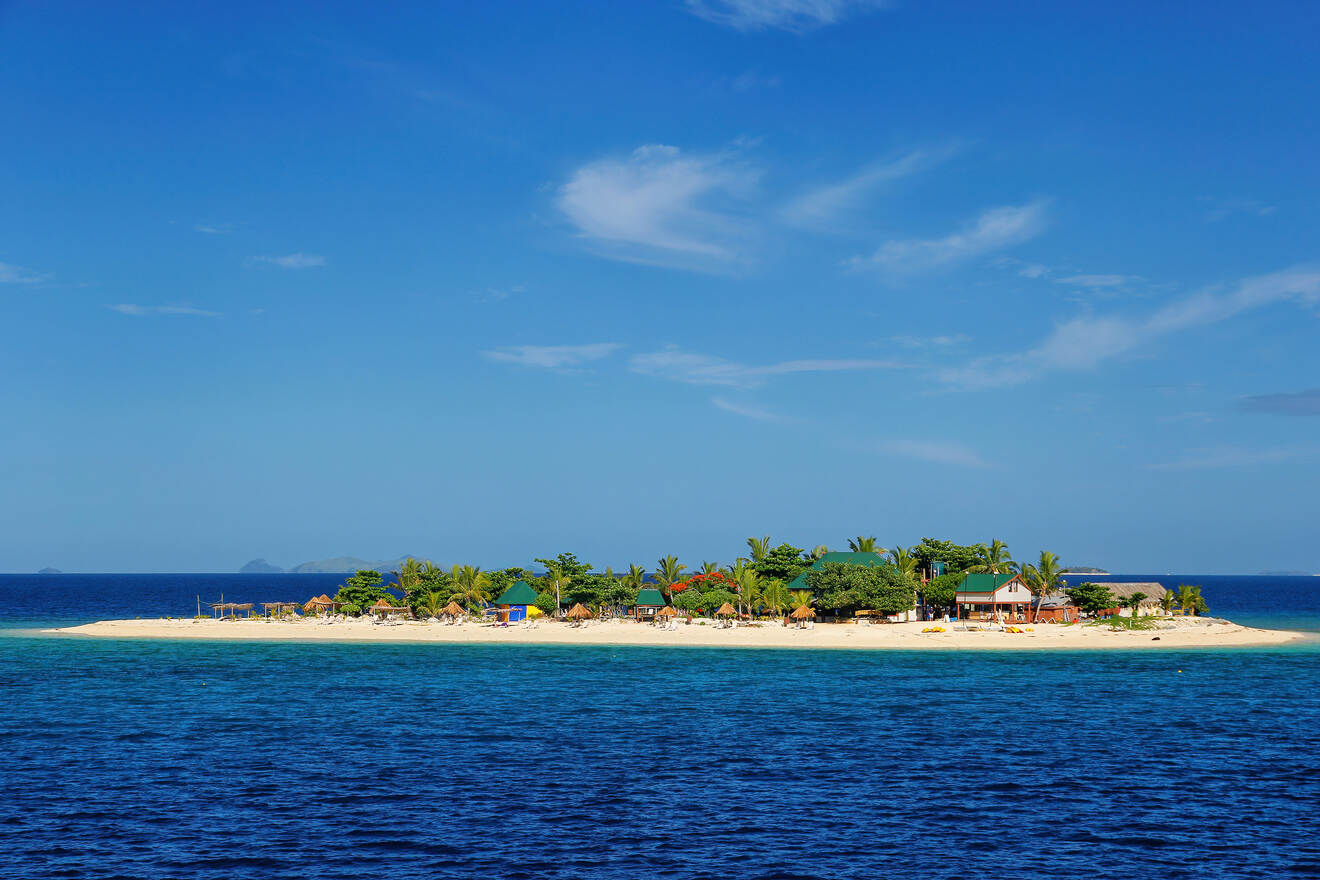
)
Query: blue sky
[{"x": 491, "y": 282}]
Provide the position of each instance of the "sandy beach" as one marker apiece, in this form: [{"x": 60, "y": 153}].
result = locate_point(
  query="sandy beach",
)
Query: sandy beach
[{"x": 1176, "y": 633}]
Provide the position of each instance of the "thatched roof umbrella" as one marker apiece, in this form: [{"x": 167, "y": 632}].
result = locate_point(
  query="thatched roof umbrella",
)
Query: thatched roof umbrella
[
  {"x": 579, "y": 613},
  {"x": 453, "y": 609},
  {"x": 726, "y": 610},
  {"x": 667, "y": 611},
  {"x": 318, "y": 603},
  {"x": 383, "y": 607},
  {"x": 802, "y": 612}
]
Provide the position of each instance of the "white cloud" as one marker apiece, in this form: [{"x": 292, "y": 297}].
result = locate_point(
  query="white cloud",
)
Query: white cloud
[
  {"x": 1095, "y": 281},
  {"x": 789, "y": 15},
  {"x": 936, "y": 452},
  {"x": 703, "y": 369},
  {"x": 142, "y": 311},
  {"x": 499, "y": 294},
  {"x": 827, "y": 202},
  {"x": 553, "y": 356},
  {"x": 1085, "y": 342},
  {"x": 292, "y": 261},
  {"x": 995, "y": 229},
  {"x": 11, "y": 274},
  {"x": 213, "y": 229},
  {"x": 1221, "y": 209},
  {"x": 1231, "y": 457},
  {"x": 661, "y": 207},
  {"x": 750, "y": 411},
  {"x": 931, "y": 341}
]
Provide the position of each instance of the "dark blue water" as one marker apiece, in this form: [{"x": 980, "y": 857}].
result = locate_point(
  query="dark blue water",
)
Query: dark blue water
[{"x": 222, "y": 760}]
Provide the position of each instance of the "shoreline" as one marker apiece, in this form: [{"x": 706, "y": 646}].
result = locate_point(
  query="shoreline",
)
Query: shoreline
[{"x": 1173, "y": 634}]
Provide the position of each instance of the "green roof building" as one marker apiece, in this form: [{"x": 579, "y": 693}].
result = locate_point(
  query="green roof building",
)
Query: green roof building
[
  {"x": 983, "y": 583},
  {"x": 649, "y": 601},
  {"x": 871, "y": 559},
  {"x": 513, "y": 602}
]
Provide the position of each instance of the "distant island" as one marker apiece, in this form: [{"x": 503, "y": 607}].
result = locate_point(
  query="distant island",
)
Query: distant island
[
  {"x": 334, "y": 565},
  {"x": 1082, "y": 569},
  {"x": 1286, "y": 574},
  {"x": 50, "y": 571}
]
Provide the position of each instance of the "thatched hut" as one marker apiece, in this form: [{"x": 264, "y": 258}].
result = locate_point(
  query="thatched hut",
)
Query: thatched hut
[
  {"x": 1123, "y": 593},
  {"x": 579, "y": 613},
  {"x": 453, "y": 611},
  {"x": 667, "y": 611},
  {"x": 383, "y": 608},
  {"x": 321, "y": 604},
  {"x": 802, "y": 614},
  {"x": 275, "y": 609},
  {"x": 725, "y": 612}
]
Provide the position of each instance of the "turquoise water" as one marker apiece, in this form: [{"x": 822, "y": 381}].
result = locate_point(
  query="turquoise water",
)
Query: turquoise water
[{"x": 220, "y": 760}]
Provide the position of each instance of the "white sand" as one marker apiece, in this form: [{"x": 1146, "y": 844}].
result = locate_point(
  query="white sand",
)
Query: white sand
[{"x": 1178, "y": 633}]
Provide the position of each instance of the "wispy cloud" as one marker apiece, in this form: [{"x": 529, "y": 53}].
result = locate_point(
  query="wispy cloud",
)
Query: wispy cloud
[
  {"x": 143, "y": 311},
  {"x": 1092, "y": 280},
  {"x": 1220, "y": 457},
  {"x": 291, "y": 261},
  {"x": 789, "y": 15},
  {"x": 1296, "y": 403},
  {"x": 499, "y": 294},
  {"x": 1086, "y": 341},
  {"x": 749, "y": 410},
  {"x": 995, "y": 229},
  {"x": 824, "y": 204},
  {"x": 936, "y": 452},
  {"x": 1222, "y": 209},
  {"x": 661, "y": 207},
  {"x": 695, "y": 368},
  {"x": 11, "y": 274},
  {"x": 555, "y": 357},
  {"x": 213, "y": 228},
  {"x": 931, "y": 341}
]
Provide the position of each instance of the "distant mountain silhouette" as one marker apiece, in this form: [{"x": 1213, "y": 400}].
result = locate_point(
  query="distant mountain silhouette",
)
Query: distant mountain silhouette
[
  {"x": 260, "y": 566},
  {"x": 50, "y": 571},
  {"x": 335, "y": 565}
]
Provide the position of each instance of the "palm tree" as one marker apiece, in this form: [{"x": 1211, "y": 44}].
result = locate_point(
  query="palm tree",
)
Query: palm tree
[
  {"x": 709, "y": 567},
  {"x": 905, "y": 562},
  {"x": 1166, "y": 601},
  {"x": 635, "y": 579},
  {"x": 1189, "y": 599},
  {"x": 668, "y": 572},
  {"x": 818, "y": 551},
  {"x": 774, "y": 596},
  {"x": 471, "y": 586},
  {"x": 433, "y": 603},
  {"x": 1134, "y": 602},
  {"x": 798, "y": 598},
  {"x": 995, "y": 559},
  {"x": 865, "y": 545},
  {"x": 554, "y": 572},
  {"x": 1042, "y": 578},
  {"x": 759, "y": 547},
  {"x": 748, "y": 584}
]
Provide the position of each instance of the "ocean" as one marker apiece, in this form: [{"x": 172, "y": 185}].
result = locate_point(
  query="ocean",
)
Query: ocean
[{"x": 163, "y": 759}]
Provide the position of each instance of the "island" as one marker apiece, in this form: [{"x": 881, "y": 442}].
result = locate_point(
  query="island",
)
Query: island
[{"x": 935, "y": 594}]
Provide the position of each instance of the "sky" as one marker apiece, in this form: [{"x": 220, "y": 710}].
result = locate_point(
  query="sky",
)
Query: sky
[{"x": 487, "y": 282}]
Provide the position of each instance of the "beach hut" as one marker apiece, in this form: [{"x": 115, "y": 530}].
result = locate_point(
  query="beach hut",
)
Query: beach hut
[
  {"x": 579, "y": 613},
  {"x": 1053, "y": 608},
  {"x": 650, "y": 602},
  {"x": 726, "y": 611},
  {"x": 1122, "y": 592},
  {"x": 275, "y": 609},
  {"x": 453, "y": 611},
  {"x": 321, "y": 604},
  {"x": 383, "y": 608},
  {"x": 513, "y": 602},
  {"x": 993, "y": 596},
  {"x": 802, "y": 614}
]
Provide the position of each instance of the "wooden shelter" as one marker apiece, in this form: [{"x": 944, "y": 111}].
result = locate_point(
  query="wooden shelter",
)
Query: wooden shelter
[
  {"x": 321, "y": 604},
  {"x": 271, "y": 608},
  {"x": 802, "y": 614},
  {"x": 453, "y": 610},
  {"x": 579, "y": 613},
  {"x": 650, "y": 602},
  {"x": 726, "y": 610},
  {"x": 382, "y": 608}
]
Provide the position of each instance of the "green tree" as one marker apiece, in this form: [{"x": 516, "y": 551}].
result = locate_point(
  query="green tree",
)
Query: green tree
[
  {"x": 432, "y": 603},
  {"x": 784, "y": 562},
  {"x": 1167, "y": 599},
  {"x": 471, "y": 586},
  {"x": 842, "y": 587},
  {"x": 865, "y": 545},
  {"x": 362, "y": 589},
  {"x": 712, "y": 599},
  {"x": 758, "y": 547},
  {"x": 1134, "y": 602},
  {"x": 1043, "y": 578},
  {"x": 942, "y": 591},
  {"x": 956, "y": 558},
  {"x": 689, "y": 601},
  {"x": 1190, "y": 600},
  {"x": 748, "y": 584},
  {"x": 635, "y": 579},
  {"x": 995, "y": 559},
  {"x": 668, "y": 573},
  {"x": 798, "y": 598},
  {"x": 561, "y": 571},
  {"x": 818, "y": 551},
  {"x": 709, "y": 567},
  {"x": 1091, "y": 597},
  {"x": 905, "y": 562},
  {"x": 774, "y": 596}
]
